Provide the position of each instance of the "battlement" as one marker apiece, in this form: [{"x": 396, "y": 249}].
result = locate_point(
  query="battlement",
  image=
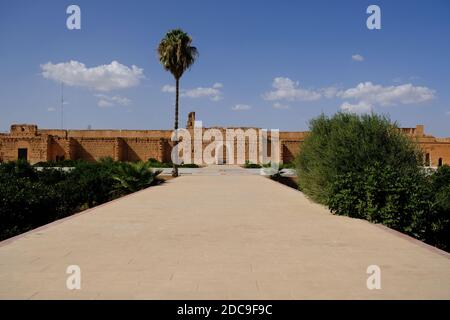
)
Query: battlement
[
  {"x": 28, "y": 142},
  {"x": 24, "y": 130}
]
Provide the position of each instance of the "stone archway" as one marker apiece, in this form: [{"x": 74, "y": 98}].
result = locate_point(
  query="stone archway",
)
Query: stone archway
[{"x": 222, "y": 153}]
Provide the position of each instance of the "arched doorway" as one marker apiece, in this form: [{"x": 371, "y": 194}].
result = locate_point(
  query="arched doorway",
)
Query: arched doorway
[
  {"x": 427, "y": 160},
  {"x": 222, "y": 153}
]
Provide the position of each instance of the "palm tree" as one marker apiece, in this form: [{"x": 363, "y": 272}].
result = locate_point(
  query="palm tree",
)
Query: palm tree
[
  {"x": 176, "y": 55},
  {"x": 132, "y": 177}
]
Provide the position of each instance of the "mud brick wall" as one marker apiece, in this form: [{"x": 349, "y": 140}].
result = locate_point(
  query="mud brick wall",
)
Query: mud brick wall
[
  {"x": 135, "y": 149},
  {"x": 93, "y": 149},
  {"x": 289, "y": 150},
  {"x": 59, "y": 149},
  {"x": 438, "y": 152},
  {"x": 37, "y": 148},
  {"x": 135, "y": 145}
]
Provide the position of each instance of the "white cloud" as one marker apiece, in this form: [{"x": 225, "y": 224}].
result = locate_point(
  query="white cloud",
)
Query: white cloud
[
  {"x": 213, "y": 92},
  {"x": 101, "y": 78},
  {"x": 360, "y": 107},
  {"x": 109, "y": 101},
  {"x": 357, "y": 57},
  {"x": 202, "y": 92},
  {"x": 286, "y": 89},
  {"x": 104, "y": 103},
  {"x": 365, "y": 95},
  {"x": 216, "y": 98},
  {"x": 168, "y": 88},
  {"x": 51, "y": 109},
  {"x": 241, "y": 107},
  {"x": 388, "y": 96},
  {"x": 278, "y": 105},
  {"x": 329, "y": 92}
]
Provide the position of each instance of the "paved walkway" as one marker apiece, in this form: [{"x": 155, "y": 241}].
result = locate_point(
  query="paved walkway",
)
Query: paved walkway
[{"x": 226, "y": 236}]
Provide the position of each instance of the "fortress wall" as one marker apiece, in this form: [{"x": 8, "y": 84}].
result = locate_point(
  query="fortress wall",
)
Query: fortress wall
[
  {"x": 134, "y": 145},
  {"x": 436, "y": 151},
  {"x": 58, "y": 149},
  {"x": 156, "y": 134},
  {"x": 93, "y": 149},
  {"x": 52, "y": 132},
  {"x": 135, "y": 149},
  {"x": 37, "y": 148},
  {"x": 289, "y": 149},
  {"x": 106, "y": 133},
  {"x": 288, "y": 135}
]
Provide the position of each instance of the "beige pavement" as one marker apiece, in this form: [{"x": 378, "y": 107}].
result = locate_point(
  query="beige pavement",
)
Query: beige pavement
[{"x": 222, "y": 236}]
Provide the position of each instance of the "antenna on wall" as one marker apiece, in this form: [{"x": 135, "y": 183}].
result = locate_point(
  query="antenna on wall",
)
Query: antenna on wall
[{"x": 62, "y": 105}]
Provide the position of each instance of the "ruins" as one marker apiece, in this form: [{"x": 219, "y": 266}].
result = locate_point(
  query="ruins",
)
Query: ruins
[{"x": 27, "y": 141}]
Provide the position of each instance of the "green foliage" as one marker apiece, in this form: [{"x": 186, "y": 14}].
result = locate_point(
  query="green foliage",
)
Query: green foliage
[
  {"x": 176, "y": 53},
  {"x": 382, "y": 194},
  {"x": 288, "y": 165},
  {"x": 131, "y": 177},
  {"x": 188, "y": 165},
  {"x": 364, "y": 167},
  {"x": 250, "y": 165},
  {"x": 30, "y": 198},
  {"x": 94, "y": 181},
  {"x": 62, "y": 163},
  {"x": 348, "y": 143},
  {"x": 158, "y": 164},
  {"x": 439, "y": 228}
]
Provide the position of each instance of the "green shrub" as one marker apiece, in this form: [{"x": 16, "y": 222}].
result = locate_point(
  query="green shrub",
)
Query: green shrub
[
  {"x": 439, "y": 226},
  {"x": 188, "y": 165},
  {"x": 30, "y": 198},
  {"x": 365, "y": 167},
  {"x": 131, "y": 177},
  {"x": 250, "y": 165},
  {"x": 382, "y": 194},
  {"x": 158, "y": 164},
  {"x": 61, "y": 163},
  {"x": 347, "y": 143}
]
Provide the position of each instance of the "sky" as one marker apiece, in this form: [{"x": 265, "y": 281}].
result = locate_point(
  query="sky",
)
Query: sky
[{"x": 268, "y": 64}]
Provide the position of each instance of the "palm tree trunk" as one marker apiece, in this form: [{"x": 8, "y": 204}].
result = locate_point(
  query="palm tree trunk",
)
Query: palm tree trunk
[{"x": 175, "y": 166}]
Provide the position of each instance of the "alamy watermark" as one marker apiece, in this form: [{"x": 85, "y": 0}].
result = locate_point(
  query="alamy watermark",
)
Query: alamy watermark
[
  {"x": 73, "y": 281},
  {"x": 374, "y": 280},
  {"x": 73, "y": 21},
  {"x": 373, "y": 22},
  {"x": 227, "y": 145}
]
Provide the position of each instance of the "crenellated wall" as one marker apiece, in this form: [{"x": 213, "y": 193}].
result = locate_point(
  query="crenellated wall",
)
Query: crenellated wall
[{"x": 135, "y": 145}]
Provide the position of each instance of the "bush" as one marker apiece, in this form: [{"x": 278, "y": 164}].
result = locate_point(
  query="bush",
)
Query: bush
[
  {"x": 365, "y": 167},
  {"x": 439, "y": 226},
  {"x": 31, "y": 198},
  {"x": 250, "y": 165},
  {"x": 383, "y": 194},
  {"x": 61, "y": 163},
  {"x": 158, "y": 164},
  {"x": 188, "y": 165},
  {"x": 131, "y": 177},
  {"x": 347, "y": 143}
]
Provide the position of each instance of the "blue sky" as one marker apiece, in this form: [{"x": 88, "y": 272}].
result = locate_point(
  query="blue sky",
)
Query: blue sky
[{"x": 270, "y": 64}]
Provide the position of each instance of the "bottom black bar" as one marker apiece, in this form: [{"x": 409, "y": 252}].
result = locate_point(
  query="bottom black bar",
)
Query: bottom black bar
[{"x": 218, "y": 309}]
